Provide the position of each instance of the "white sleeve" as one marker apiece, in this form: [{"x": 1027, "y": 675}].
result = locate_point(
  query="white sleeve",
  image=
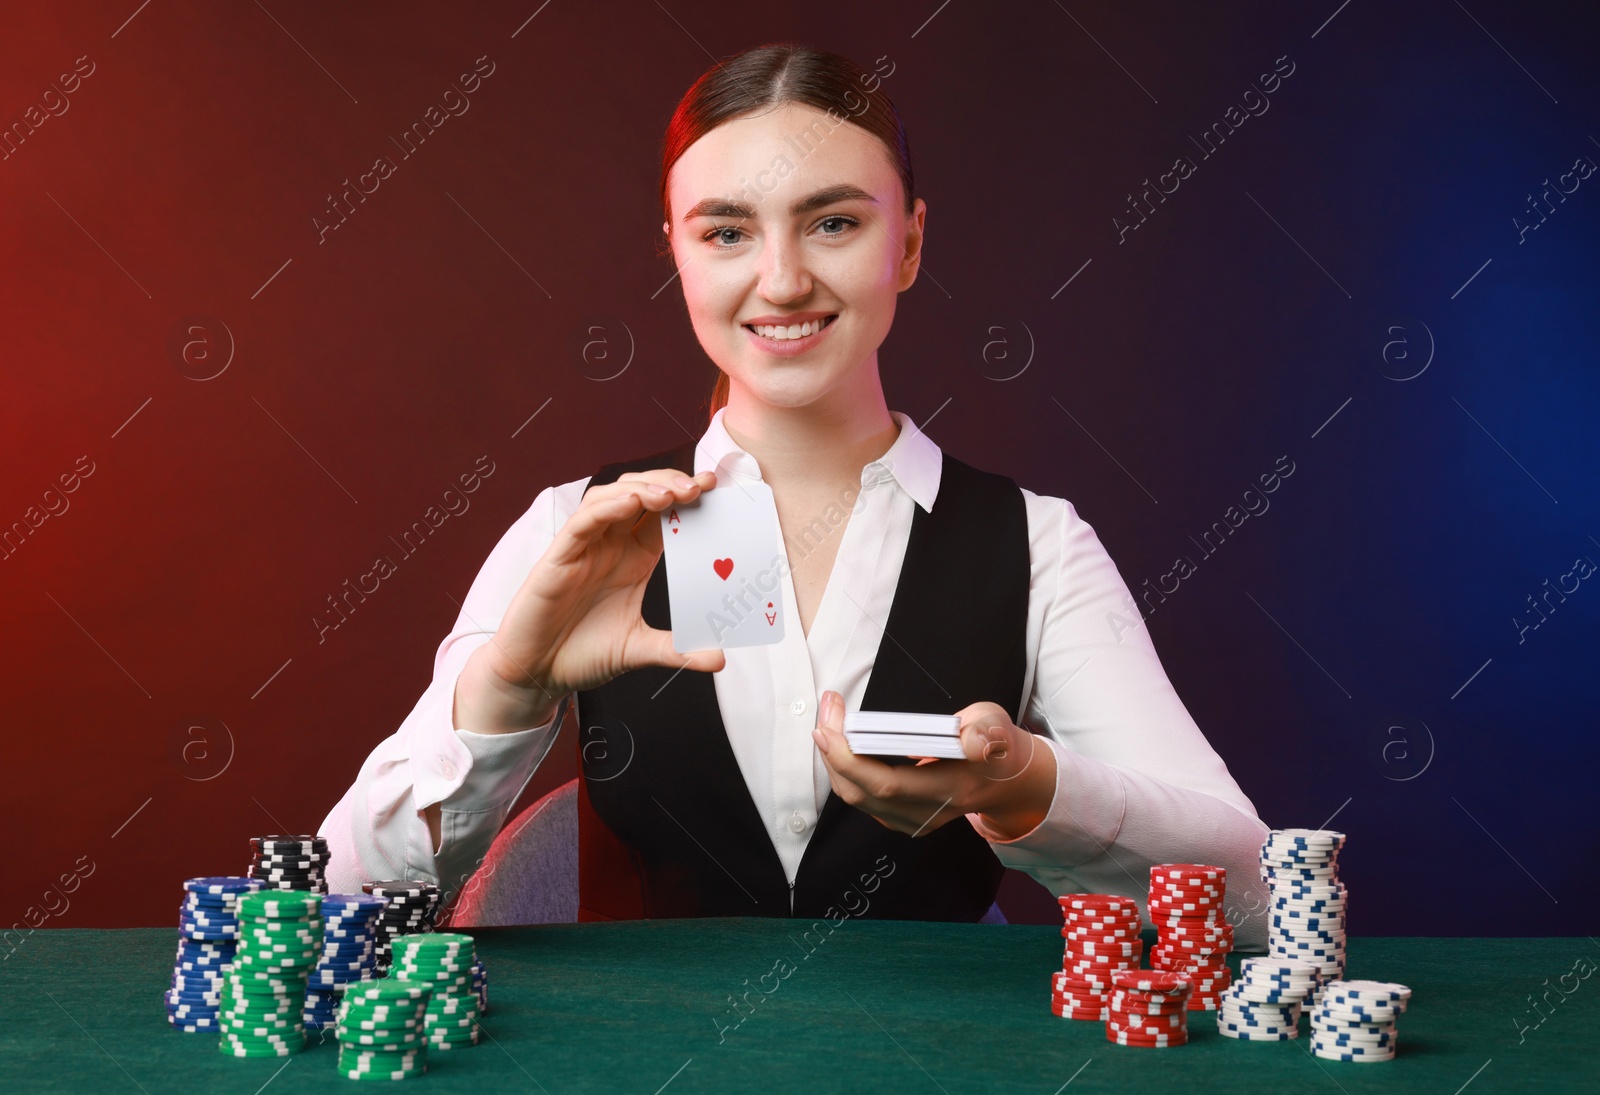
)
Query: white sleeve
[
  {"x": 377, "y": 830},
  {"x": 1137, "y": 782}
]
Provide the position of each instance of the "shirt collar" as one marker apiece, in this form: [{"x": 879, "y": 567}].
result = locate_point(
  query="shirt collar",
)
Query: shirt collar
[{"x": 913, "y": 461}]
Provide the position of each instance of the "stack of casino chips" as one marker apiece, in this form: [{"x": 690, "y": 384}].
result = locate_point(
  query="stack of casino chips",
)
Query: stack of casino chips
[
  {"x": 349, "y": 953},
  {"x": 1192, "y": 936},
  {"x": 1307, "y": 904},
  {"x": 480, "y": 985},
  {"x": 1102, "y": 934},
  {"x": 208, "y": 929},
  {"x": 290, "y": 862},
  {"x": 443, "y": 961},
  {"x": 1148, "y": 1008},
  {"x": 264, "y": 988},
  {"x": 382, "y": 1030},
  {"x": 1264, "y": 1004},
  {"x": 410, "y": 907},
  {"x": 1355, "y": 1020}
]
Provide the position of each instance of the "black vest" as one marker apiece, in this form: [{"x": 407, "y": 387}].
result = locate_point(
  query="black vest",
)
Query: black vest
[{"x": 666, "y": 824}]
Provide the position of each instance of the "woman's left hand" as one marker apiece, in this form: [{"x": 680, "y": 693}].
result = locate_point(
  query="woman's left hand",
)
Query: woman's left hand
[{"x": 1009, "y": 776}]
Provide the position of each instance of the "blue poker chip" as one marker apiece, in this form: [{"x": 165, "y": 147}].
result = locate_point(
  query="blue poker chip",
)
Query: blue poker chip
[
  {"x": 331, "y": 955},
  {"x": 187, "y": 982},
  {"x": 193, "y": 998},
  {"x": 209, "y": 959},
  {"x": 220, "y": 884},
  {"x": 195, "y": 1026},
  {"x": 209, "y": 933},
  {"x": 193, "y": 1012}
]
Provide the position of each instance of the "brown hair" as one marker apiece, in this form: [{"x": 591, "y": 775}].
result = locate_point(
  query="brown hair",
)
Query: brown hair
[{"x": 767, "y": 77}]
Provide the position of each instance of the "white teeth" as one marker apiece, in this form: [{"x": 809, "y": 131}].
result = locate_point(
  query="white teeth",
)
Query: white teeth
[{"x": 798, "y": 330}]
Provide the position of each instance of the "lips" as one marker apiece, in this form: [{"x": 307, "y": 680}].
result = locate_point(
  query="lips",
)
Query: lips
[
  {"x": 789, "y": 347},
  {"x": 783, "y": 324}
]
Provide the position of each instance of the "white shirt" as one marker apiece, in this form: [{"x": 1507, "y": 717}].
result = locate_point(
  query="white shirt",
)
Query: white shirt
[{"x": 1137, "y": 781}]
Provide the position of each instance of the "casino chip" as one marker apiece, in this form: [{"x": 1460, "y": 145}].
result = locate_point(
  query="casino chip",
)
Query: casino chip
[
  {"x": 410, "y": 908},
  {"x": 1264, "y": 1004},
  {"x": 1102, "y": 937},
  {"x": 381, "y": 1026},
  {"x": 1149, "y": 1008},
  {"x": 290, "y": 862},
  {"x": 264, "y": 987},
  {"x": 1306, "y": 903},
  {"x": 1186, "y": 903},
  {"x": 1355, "y": 1020},
  {"x": 349, "y": 953},
  {"x": 208, "y": 930},
  {"x": 443, "y": 961}
]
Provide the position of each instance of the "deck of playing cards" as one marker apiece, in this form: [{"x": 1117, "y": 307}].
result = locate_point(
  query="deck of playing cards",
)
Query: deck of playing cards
[{"x": 903, "y": 734}]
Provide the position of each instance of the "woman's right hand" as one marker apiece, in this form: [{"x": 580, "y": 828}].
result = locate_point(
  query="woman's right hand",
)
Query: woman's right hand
[{"x": 575, "y": 622}]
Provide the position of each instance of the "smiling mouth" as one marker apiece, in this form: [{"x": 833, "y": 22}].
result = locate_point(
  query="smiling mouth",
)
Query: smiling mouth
[{"x": 786, "y": 334}]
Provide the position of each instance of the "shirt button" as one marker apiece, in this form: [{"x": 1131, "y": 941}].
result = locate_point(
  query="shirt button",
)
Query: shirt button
[
  {"x": 798, "y": 707},
  {"x": 447, "y": 768},
  {"x": 797, "y": 824}
]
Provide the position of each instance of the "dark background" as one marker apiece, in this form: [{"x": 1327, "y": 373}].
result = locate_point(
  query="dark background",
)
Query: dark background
[{"x": 1353, "y": 653}]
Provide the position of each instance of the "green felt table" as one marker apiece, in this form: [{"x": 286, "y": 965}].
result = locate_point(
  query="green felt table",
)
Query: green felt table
[{"x": 878, "y": 1006}]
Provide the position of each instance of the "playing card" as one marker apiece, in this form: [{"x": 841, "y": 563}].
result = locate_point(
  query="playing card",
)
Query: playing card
[{"x": 725, "y": 568}]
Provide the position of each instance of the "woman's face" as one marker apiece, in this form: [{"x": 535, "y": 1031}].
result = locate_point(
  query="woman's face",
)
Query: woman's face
[{"x": 791, "y": 217}]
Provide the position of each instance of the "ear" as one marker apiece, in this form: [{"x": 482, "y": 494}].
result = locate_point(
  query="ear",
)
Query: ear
[{"x": 912, "y": 261}]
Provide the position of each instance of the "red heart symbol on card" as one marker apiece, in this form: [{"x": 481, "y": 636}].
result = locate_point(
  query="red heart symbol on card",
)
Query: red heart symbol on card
[{"x": 723, "y": 567}]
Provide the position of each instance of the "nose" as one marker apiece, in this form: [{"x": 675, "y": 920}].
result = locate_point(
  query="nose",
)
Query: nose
[{"x": 781, "y": 269}]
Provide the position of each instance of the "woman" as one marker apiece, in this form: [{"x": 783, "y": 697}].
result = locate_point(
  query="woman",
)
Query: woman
[{"x": 725, "y": 786}]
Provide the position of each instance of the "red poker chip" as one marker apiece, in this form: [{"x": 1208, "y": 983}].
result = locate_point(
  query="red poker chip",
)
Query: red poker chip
[
  {"x": 1144, "y": 1001},
  {"x": 1176, "y": 908},
  {"x": 1197, "y": 975},
  {"x": 1194, "y": 942},
  {"x": 1130, "y": 933},
  {"x": 1209, "y": 933},
  {"x": 1208, "y": 897},
  {"x": 1207, "y": 920},
  {"x": 1075, "y": 954},
  {"x": 1088, "y": 972},
  {"x": 1092, "y": 1015},
  {"x": 1140, "y": 1003},
  {"x": 1136, "y": 1030},
  {"x": 1188, "y": 885},
  {"x": 1148, "y": 980},
  {"x": 1073, "y": 1004},
  {"x": 1103, "y": 924},
  {"x": 1102, "y": 946},
  {"x": 1094, "y": 901},
  {"x": 1205, "y": 1003},
  {"x": 1076, "y": 958},
  {"x": 1068, "y": 981},
  {"x": 1147, "y": 1042},
  {"x": 1146, "y": 1023},
  {"x": 1188, "y": 870}
]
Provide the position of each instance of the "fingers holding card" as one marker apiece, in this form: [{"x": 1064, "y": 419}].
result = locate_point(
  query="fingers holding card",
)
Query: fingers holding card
[{"x": 724, "y": 568}]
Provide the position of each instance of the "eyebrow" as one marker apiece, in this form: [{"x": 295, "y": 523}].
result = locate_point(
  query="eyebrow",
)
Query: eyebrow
[{"x": 724, "y": 207}]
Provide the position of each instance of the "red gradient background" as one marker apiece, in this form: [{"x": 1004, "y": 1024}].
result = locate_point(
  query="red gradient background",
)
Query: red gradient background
[{"x": 466, "y": 294}]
